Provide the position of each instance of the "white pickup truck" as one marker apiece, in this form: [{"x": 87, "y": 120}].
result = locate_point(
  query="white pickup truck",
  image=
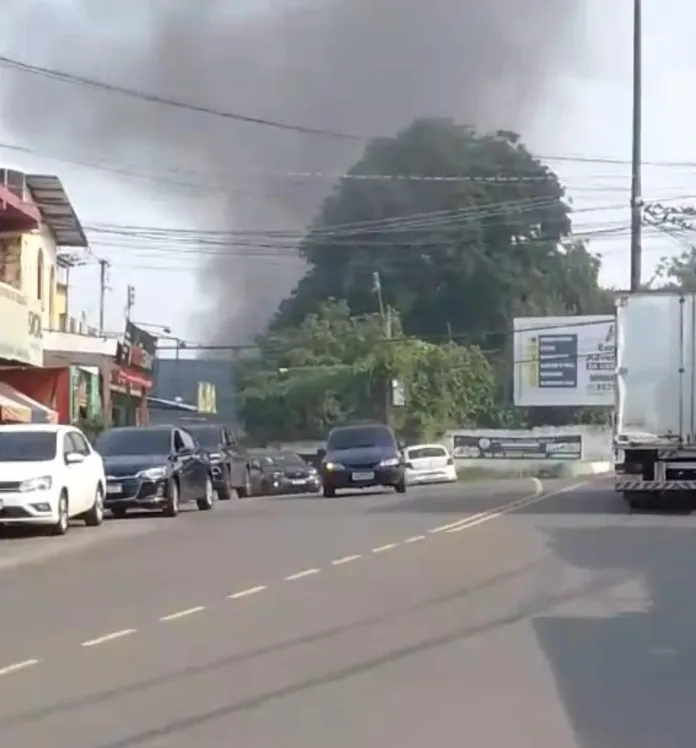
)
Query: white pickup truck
[{"x": 655, "y": 419}]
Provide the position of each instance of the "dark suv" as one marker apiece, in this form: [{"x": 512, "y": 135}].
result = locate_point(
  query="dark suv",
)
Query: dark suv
[
  {"x": 229, "y": 460},
  {"x": 362, "y": 457}
]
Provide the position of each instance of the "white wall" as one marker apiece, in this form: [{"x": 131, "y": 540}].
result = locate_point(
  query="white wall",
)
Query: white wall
[{"x": 34, "y": 244}]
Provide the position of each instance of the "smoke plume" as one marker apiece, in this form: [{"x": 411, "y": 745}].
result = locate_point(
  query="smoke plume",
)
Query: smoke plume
[{"x": 361, "y": 66}]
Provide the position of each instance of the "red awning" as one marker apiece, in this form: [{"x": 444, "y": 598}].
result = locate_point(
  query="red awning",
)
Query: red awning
[
  {"x": 17, "y": 407},
  {"x": 17, "y": 214}
]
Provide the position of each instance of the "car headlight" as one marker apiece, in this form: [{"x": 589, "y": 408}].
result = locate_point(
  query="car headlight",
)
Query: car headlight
[
  {"x": 313, "y": 472},
  {"x": 36, "y": 484},
  {"x": 278, "y": 476},
  {"x": 390, "y": 462},
  {"x": 156, "y": 473},
  {"x": 331, "y": 466},
  {"x": 215, "y": 457}
]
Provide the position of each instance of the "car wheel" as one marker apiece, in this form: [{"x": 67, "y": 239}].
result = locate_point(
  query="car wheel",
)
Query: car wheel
[
  {"x": 225, "y": 490},
  {"x": 62, "y": 524},
  {"x": 400, "y": 487},
  {"x": 244, "y": 492},
  {"x": 329, "y": 492},
  {"x": 207, "y": 501},
  {"x": 171, "y": 508},
  {"x": 95, "y": 516}
]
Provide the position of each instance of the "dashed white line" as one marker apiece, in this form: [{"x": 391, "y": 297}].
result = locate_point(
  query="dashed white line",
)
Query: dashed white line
[
  {"x": 301, "y": 574},
  {"x": 108, "y": 638},
  {"x": 415, "y": 539},
  {"x": 183, "y": 613},
  {"x": 17, "y": 666},
  {"x": 346, "y": 559},
  {"x": 383, "y": 548},
  {"x": 247, "y": 592}
]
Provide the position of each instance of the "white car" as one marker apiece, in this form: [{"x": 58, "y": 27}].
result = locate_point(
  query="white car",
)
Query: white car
[
  {"x": 429, "y": 463},
  {"x": 48, "y": 475}
]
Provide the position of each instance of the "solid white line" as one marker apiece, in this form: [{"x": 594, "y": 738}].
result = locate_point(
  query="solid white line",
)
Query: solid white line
[
  {"x": 301, "y": 575},
  {"x": 246, "y": 593},
  {"x": 383, "y": 548},
  {"x": 414, "y": 539},
  {"x": 183, "y": 613},
  {"x": 108, "y": 638},
  {"x": 515, "y": 505},
  {"x": 17, "y": 666},
  {"x": 470, "y": 518},
  {"x": 346, "y": 560}
]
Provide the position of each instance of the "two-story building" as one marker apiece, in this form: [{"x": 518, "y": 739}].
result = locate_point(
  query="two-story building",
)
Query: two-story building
[{"x": 37, "y": 220}]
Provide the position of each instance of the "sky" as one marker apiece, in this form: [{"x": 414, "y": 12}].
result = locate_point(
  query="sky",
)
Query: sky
[{"x": 134, "y": 164}]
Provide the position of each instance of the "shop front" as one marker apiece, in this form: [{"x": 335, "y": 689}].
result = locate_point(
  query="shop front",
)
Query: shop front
[{"x": 131, "y": 377}]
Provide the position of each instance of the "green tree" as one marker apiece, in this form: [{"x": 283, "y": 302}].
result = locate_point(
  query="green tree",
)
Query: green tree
[
  {"x": 334, "y": 367},
  {"x": 486, "y": 238}
]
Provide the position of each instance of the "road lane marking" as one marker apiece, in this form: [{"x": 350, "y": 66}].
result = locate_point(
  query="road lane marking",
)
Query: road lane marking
[
  {"x": 456, "y": 523},
  {"x": 415, "y": 539},
  {"x": 247, "y": 592},
  {"x": 383, "y": 548},
  {"x": 301, "y": 574},
  {"x": 183, "y": 613},
  {"x": 515, "y": 505},
  {"x": 108, "y": 638},
  {"x": 346, "y": 559},
  {"x": 17, "y": 666}
]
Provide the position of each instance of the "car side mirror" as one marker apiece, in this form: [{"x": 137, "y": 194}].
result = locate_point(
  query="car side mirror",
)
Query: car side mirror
[
  {"x": 401, "y": 445},
  {"x": 321, "y": 453},
  {"x": 74, "y": 458}
]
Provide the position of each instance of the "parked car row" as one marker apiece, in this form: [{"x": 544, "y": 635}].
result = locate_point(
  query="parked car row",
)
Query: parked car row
[{"x": 51, "y": 474}]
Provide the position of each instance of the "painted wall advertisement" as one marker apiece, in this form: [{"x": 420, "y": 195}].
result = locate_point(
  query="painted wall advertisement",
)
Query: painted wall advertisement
[
  {"x": 21, "y": 331},
  {"x": 564, "y": 361}
]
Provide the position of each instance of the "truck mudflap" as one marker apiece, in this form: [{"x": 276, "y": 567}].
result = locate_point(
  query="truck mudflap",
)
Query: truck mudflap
[{"x": 623, "y": 484}]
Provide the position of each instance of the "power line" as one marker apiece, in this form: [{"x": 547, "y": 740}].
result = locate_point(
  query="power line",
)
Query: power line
[{"x": 73, "y": 79}]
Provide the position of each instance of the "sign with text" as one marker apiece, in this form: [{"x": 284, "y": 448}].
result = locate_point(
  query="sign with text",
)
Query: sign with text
[
  {"x": 138, "y": 349},
  {"x": 21, "y": 328},
  {"x": 492, "y": 447},
  {"x": 564, "y": 361}
]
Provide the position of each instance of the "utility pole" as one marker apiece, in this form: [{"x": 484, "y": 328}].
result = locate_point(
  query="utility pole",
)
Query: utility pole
[
  {"x": 103, "y": 267},
  {"x": 130, "y": 302},
  {"x": 387, "y": 322},
  {"x": 636, "y": 154}
]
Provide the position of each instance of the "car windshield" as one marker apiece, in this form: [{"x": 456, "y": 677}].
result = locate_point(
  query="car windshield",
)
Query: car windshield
[
  {"x": 28, "y": 446},
  {"x": 416, "y": 453},
  {"x": 134, "y": 442},
  {"x": 355, "y": 437},
  {"x": 290, "y": 459},
  {"x": 207, "y": 436}
]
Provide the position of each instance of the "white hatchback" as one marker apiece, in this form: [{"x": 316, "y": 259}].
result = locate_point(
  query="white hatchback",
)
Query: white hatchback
[
  {"x": 429, "y": 463},
  {"x": 48, "y": 475}
]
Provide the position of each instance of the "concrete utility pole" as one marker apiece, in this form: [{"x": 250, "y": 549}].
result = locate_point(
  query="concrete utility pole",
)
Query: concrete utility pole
[
  {"x": 636, "y": 155},
  {"x": 103, "y": 267},
  {"x": 130, "y": 302}
]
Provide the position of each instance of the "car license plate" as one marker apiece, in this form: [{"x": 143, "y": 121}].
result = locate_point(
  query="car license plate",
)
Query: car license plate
[
  {"x": 114, "y": 488},
  {"x": 300, "y": 482},
  {"x": 367, "y": 475}
]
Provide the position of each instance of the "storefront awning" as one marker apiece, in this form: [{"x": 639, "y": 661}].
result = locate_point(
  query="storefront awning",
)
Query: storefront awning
[{"x": 20, "y": 408}]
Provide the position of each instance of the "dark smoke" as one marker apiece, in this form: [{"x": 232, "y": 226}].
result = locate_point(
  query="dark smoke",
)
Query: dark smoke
[{"x": 364, "y": 66}]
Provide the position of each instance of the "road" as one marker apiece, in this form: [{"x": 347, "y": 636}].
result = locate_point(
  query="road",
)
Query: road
[{"x": 502, "y": 613}]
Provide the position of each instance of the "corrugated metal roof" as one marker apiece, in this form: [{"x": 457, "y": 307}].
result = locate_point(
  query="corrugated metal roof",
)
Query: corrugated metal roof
[{"x": 56, "y": 209}]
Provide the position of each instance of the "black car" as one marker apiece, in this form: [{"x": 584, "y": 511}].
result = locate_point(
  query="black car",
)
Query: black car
[
  {"x": 266, "y": 473},
  {"x": 229, "y": 461},
  {"x": 362, "y": 457},
  {"x": 158, "y": 467},
  {"x": 295, "y": 474}
]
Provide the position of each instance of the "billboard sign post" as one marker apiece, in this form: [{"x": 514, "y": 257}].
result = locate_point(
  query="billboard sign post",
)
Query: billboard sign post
[{"x": 564, "y": 361}]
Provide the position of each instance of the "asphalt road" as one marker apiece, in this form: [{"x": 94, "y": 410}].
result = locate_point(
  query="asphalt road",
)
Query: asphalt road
[{"x": 491, "y": 614}]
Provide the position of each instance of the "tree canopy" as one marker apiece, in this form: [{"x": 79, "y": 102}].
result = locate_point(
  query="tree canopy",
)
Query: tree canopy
[
  {"x": 480, "y": 234},
  {"x": 463, "y": 232},
  {"x": 333, "y": 367}
]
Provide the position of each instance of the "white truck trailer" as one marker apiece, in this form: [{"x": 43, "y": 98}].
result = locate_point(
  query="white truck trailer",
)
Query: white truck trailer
[{"x": 655, "y": 418}]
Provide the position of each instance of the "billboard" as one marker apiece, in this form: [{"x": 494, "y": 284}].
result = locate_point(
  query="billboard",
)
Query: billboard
[
  {"x": 495, "y": 447},
  {"x": 564, "y": 361}
]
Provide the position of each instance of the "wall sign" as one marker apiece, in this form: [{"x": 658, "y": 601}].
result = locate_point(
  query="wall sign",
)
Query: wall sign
[
  {"x": 21, "y": 331},
  {"x": 492, "y": 447}
]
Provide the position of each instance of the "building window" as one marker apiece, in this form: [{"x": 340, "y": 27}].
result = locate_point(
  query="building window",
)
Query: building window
[{"x": 40, "y": 276}]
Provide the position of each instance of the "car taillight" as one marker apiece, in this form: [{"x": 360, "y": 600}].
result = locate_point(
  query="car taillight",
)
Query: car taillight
[
  {"x": 450, "y": 461},
  {"x": 409, "y": 466}
]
